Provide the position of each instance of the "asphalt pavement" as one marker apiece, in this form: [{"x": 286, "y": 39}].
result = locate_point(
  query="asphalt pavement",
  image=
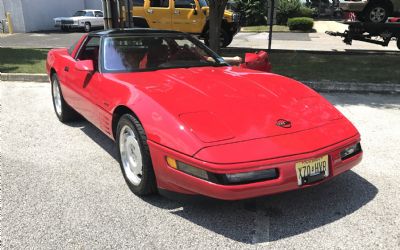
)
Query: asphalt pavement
[{"x": 62, "y": 188}]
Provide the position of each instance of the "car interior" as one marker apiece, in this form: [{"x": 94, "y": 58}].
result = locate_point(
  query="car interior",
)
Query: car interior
[
  {"x": 149, "y": 53},
  {"x": 91, "y": 51}
]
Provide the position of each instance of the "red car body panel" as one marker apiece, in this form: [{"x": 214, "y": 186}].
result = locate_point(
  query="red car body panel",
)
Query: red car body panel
[{"x": 220, "y": 119}]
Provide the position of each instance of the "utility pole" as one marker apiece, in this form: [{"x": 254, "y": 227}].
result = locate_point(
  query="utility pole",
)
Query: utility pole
[
  {"x": 115, "y": 14},
  {"x": 271, "y": 23}
]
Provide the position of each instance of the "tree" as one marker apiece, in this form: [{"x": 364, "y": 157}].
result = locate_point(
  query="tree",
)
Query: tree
[
  {"x": 254, "y": 11},
  {"x": 217, "y": 8}
]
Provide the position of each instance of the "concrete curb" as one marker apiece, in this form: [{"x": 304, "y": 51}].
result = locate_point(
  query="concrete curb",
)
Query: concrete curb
[
  {"x": 23, "y": 77},
  {"x": 320, "y": 86}
]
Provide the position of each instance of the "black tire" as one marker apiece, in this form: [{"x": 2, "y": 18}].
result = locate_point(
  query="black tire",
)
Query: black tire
[
  {"x": 64, "y": 112},
  {"x": 225, "y": 39},
  {"x": 64, "y": 28},
  {"x": 87, "y": 27},
  {"x": 229, "y": 41},
  {"x": 376, "y": 13},
  {"x": 147, "y": 185}
]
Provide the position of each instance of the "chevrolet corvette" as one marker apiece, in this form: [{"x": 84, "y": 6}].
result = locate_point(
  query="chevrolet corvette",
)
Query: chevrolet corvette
[{"x": 185, "y": 121}]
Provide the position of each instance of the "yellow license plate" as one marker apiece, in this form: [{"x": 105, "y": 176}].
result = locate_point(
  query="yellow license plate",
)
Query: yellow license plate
[{"x": 312, "y": 170}]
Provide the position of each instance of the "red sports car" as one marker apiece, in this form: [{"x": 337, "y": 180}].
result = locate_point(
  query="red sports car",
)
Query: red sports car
[{"x": 185, "y": 121}]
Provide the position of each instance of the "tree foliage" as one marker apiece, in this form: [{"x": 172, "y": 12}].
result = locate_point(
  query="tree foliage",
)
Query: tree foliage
[
  {"x": 287, "y": 9},
  {"x": 254, "y": 11}
]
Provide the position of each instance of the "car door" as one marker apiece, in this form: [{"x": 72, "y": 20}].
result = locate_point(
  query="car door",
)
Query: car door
[
  {"x": 81, "y": 83},
  {"x": 158, "y": 14},
  {"x": 187, "y": 16}
]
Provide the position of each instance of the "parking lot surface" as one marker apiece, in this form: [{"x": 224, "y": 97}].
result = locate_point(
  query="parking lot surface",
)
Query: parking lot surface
[{"x": 62, "y": 188}]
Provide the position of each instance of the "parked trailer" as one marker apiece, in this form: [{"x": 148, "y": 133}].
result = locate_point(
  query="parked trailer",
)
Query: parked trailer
[{"x": 377, "y": 33}]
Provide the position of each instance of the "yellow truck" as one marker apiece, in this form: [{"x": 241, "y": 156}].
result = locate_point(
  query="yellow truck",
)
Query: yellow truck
[{"x": 189, "y": 16}]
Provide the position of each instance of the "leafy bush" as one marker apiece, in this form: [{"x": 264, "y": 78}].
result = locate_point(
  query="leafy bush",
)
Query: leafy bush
[
  {"x": 287, "y": 9},
  {"x": 254, "y": 11},
  {"x": 305, "y": 12},
  {"x": 300, "y": 23}
]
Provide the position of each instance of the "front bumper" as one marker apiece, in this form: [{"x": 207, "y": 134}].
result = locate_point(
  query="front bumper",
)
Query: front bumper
[
  {"x": 173, "y": 180},
  {"x": 68, "y": 25},
  {"x": 351, "y": 6}
]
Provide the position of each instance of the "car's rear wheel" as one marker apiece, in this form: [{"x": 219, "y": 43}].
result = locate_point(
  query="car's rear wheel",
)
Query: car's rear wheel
[
  {"x": 63, "y": 111},
  {"x": 134, "y": 156},
  {"x": 376, "y": 13},
  {"x": 87, "y": 27}
]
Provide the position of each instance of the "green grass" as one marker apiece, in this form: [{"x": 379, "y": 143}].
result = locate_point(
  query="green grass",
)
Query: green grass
[
  {"x": 14, "y": 60},
  {"x": 308, "y": 66},
  {"x": 303, "y": 66},
  {"x": 265, "y": 28},
  {"x": 364, "y": 68}
]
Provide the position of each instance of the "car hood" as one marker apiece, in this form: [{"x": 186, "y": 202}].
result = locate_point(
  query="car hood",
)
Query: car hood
[{"x": 232, "y": 104}]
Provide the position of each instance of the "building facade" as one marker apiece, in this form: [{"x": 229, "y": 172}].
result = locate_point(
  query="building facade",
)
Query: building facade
[{"x": 37, "y": 15}]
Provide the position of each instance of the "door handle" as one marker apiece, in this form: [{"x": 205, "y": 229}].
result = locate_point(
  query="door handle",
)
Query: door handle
[
  {"x": 177, "y": 12},
  {"x": 150, "y": 11},
  {"x": 66, "y": 68}
]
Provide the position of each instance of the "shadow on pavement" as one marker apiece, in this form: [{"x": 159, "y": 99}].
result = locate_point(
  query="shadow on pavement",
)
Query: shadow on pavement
[
  {"x": 262, "y": 219},
  {"x": 279, "y": 216}
]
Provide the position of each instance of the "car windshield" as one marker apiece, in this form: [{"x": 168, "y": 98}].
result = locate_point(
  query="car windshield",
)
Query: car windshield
[
  {"x": 143, "y": 53},
  {"x": 82, "y": 13}
]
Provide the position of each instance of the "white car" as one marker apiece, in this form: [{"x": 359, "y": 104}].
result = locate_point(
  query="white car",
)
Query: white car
[{"x": 86, "y": 19}]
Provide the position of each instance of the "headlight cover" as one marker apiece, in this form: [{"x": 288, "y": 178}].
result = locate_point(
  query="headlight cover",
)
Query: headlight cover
[
  {"x": 249, "y": 177},
  {"x": 224, "y": 179}
]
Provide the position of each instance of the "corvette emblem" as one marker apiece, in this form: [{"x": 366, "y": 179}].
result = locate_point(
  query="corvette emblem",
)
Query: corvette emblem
[{"x": 283, "y": 123}]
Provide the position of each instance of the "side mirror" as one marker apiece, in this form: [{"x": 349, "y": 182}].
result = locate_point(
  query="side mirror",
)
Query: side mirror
[
  {"x": 194, "y": 8},
  {"x": 85, "y": 65}
]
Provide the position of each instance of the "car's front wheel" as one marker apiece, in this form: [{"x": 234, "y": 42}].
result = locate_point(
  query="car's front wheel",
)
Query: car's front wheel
[
  {"x": 376, "y": 13},
  {"x": 63, "y": 111},
  {"x": 134, "y": 156}
]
